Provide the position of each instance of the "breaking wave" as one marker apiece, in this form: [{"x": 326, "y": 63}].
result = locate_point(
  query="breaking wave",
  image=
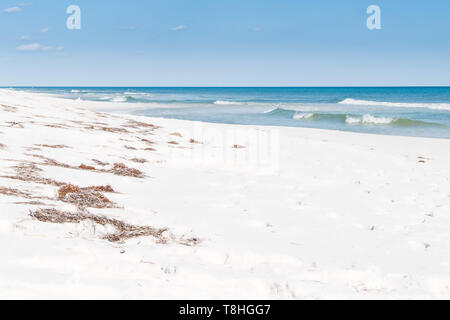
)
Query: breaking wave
[
  {"x": 348, "y": 119},
  {"x": 224, "y": 102},
  {"x": 435, "y": 106}
]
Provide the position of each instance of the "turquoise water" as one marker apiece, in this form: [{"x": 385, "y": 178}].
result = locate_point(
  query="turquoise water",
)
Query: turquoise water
[{"x": 408, "y": 111}]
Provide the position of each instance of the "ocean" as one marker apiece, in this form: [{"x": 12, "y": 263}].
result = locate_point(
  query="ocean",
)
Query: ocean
[{"x": 404, "y": 111}]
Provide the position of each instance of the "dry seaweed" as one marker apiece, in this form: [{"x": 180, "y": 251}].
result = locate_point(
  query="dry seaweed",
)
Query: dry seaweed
[
  {"x": 123, "y": 230},
  {"x": 121, "y": 169}
]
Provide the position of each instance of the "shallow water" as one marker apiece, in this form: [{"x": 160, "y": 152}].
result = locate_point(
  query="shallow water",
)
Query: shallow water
[{"x": 408, "y": 111}]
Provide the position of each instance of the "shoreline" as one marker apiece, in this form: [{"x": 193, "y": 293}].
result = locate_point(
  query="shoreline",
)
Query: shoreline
[{"x": 251, "y": 211}]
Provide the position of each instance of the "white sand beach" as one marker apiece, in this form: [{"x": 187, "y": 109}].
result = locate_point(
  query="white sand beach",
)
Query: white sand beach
[{"x": 98, "y": 204}]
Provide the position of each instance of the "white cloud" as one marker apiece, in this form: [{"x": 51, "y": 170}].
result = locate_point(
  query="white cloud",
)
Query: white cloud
[
  {"x": 32, "y": 47},
  {"x": 178, "y": 28},
  {"x": 60, "y": 48},
  {"x": 44, "y": 30},
  {"x": 24, "y": 38},
  {"x": 12, "y": 10}
]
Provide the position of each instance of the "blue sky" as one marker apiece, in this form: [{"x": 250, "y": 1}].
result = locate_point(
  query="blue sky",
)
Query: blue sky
[{"x": 224, "y": 43}]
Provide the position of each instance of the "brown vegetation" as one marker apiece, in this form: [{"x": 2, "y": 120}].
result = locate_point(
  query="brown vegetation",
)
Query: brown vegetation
[
  {"x": 84, "y": 197},
  {"x": 121, "y": 169},
  {"x": 100, "y": 163},
  {"x": 85, "y": 167},
  {"x": 177, "y": 134},
  {"x": 123, "y": 230},
  {"x": 55, "y": 146},
  {"x": 139, "y": 160}
]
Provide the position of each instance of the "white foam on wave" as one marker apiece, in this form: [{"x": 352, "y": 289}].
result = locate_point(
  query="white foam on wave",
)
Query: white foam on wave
[
  {"x": 271, "y": 110},
  {"x": 301, "y": 116},
  {"x": 119, "y": 99},
  {"x": 436, "y": 106},
  {"x": 368, "y": 119},
  {"x": 223, "y": 102}
]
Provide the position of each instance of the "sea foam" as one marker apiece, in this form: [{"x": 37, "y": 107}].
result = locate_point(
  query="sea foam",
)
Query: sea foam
[{"x": 436, "y": 106}]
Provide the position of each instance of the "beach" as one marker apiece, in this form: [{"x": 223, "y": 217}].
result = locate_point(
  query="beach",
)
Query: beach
[{"x": 110, "y": 205}]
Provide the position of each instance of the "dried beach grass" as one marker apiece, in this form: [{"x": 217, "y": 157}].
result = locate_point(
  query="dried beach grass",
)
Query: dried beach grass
[
  {"x": 138, "y": 124},
  {"x": 123, "y": 230},
  {"x": 121, "y": 169},
  {"x": 176, "y": 134},
  {"x": 139, "y": 160},
  {"x": 29, "y": 172},
  {"x": 14, "y": 193},
  {"x": 100, "y": 163},
  {"x": 8, "y": 108},
  {"x": 85, "y": 167},
  {"x": 85, "y": 197},
  {"x": 54, "y": 146}
]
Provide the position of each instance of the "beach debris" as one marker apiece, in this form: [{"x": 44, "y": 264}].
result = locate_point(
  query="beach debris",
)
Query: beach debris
[
  {"x": 129, "y": 147},
  {"x": 138, "y": 124},
  {"x": 106, "y": 188},
  {"x": 14, "y": 192},
  {"x": 237, "y": 146},
  {"x": 109, "y": 129},
  {"x": 84, "y": 197},
  {"x": 150, "y": 149},
  {"x": 177, "y": 134},
  {"x": 172, "y": 142},
  {"x": 194, "y": 141},
  {"x": 147, "y": 141},
  {"x": 139, "y": 160},
  {"x": 100, "y": 163},
  {"x": 86, "y": 167},
  {"x": 121, "y": 169},
  {"x": 55, "y": 146},
  {"x": 29, "y": 172},
  {"x": 2, "y": 146},
  {"x": 15, "y": 124},
  {"x": 122, "y": 230},
  {"x": 8, "y": 108}
]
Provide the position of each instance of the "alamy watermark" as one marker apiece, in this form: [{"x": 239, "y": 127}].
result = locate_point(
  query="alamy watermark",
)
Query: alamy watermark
[
  {"x": 239, "y": 148},
  {"x": 374, "y": 20},
  {"x": 74, "y": 20}
]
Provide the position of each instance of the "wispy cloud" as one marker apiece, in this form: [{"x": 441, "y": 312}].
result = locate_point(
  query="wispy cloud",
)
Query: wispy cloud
[
  {"x": 12, "y": 10},
  {"x": 33, "y": 47},
  {"x": 24, "y": 38},
  {"x": 178, "y": 28},
  {"x": 16, "y": 8},
  {"x": 45, "y": 30}
]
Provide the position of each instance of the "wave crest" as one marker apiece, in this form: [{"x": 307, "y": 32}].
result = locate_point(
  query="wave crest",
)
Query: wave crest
[
  {"x": 224, "y": 102},
  {"x": 436, "y": 106}
]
